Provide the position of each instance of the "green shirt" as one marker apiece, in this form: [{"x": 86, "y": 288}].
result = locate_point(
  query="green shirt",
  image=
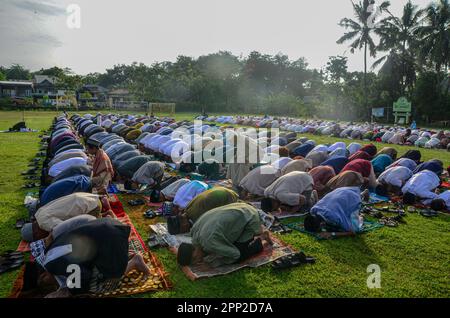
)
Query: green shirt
[
  {"x": 217, "y": 230},
  {"x": 208, "y": 200}
]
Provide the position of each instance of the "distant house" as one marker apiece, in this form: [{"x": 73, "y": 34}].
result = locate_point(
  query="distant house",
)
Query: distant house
[
  {"x": 47, "y": 91},
  {"x": 16, "y": 89},
  {"x": 92, "y": 95},
  {"x": 118, "y": 97},
  {"x": 121, "y": 98}
]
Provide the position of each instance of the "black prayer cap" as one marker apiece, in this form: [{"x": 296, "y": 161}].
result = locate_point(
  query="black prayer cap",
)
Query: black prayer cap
[{"x": 93, "y": 143}]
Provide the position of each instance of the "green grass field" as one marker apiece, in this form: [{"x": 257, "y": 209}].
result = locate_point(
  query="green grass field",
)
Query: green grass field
[{"x": 414, "y": 258}]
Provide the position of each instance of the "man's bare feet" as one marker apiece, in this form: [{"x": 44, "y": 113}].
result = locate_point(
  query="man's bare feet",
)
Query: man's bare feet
[
  {"x": 314, "y": 197},
  {"x": 60, "y": 293},
  {"x": 365, "y": 195},
  {"x": 266, "y": 237},
  {"x": 138, "y": 263}
]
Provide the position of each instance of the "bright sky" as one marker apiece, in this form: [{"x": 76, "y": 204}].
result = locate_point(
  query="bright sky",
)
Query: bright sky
[{"x": 35, "y": 33}]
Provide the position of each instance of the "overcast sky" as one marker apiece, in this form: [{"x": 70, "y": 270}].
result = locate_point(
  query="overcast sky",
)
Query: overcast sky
[{"x": 35, "y": 33}]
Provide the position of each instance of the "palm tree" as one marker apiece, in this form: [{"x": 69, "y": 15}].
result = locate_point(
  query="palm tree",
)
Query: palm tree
[
  {"x": 361, "y": 30},
  {"x": 399, "y": 37},
  {"x": 435, "y": 36}
]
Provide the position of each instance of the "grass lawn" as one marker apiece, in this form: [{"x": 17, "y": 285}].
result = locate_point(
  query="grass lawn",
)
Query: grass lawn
[{"x": 414, "y": 258}]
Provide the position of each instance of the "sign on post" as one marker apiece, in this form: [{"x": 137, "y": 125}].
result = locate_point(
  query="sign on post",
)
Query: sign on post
[
  {"x": 378, "y": 112},
  {"x": 402, "y": 105}
]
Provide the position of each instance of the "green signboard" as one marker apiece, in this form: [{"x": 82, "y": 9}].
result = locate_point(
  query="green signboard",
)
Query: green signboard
[{"x": 402, "y": 105}]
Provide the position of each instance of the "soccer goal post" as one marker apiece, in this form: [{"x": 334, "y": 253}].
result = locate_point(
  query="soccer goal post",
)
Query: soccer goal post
[{"x": 161, "y": 108}]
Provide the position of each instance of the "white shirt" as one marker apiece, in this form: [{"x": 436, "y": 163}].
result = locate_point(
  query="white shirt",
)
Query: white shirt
[
  {"x": 422, "y": 185},
  {"x": 396, "y": 176},
  {"x": 353, "y": 147},
  {"x": 189, "y": 191},
  {"x": 57, "y": 168},
  {"x": 336, "y": 145},
  {"x": 282, "y": 162},
  {"x": 164, "y": 147}
]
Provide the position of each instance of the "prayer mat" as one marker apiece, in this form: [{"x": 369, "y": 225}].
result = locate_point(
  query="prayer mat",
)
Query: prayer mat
[
  {"x": 116, "y": 205},
  {"x": 375, "y": 198},
  {"x": 268, "y": 255},
  {"x": 368, "y": 226},
  {"x": 23, "y": 247},
  {"x": 130, "y": 284},
  {"x": 135, "y": 282}
]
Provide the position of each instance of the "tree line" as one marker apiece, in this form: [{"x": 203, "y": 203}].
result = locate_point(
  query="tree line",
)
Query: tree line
[{"x": 412, "y": 59}]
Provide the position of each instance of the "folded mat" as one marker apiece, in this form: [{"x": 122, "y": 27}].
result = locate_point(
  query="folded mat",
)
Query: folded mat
[
  {"x": 368, "y": 226},
  {"x": 268, "y": 255}
]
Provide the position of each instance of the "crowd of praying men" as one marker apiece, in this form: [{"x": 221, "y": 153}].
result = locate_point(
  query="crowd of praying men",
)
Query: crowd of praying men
[
  {"x": 398, "y": 135},
  {"x": 72, "y": 222}
]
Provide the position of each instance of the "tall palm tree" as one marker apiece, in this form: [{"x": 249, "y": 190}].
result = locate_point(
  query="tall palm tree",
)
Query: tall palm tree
[
  {"x": 361, "y": 30},
  {"x": 435, "y": 42},
  {"x": 398, "y": 36},
  {"x": 435, "y": 36}
]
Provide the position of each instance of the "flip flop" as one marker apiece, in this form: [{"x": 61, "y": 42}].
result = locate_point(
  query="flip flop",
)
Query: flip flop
[
  {"x": 32, "y": 177},
  {"x": 153, "y": 241},
  {"x": 7, "y": 258},
  {"x": 136, "y": 202},
  {"x": 10, "y": 265},
  {"x": 292, "y": 260},
  {"x": 29, "y": 172},
  {"x": 388, "y": 222},
  {"x": 31, "y": 185},
  {"x": 149, "y": 214},
  {"x": 428, "y": 213},
  {"x": 20, "y": 223},
  {"x": 411, "y": 209}
]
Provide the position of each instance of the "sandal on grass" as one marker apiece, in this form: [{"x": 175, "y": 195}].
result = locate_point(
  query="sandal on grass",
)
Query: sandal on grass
[
  {"x": 428, "y": 213},
  {"x": 292, "y": 260},
  {"x": 153, "y": 241},
  {"x": 388, "y": 222},
  {"x": 10, "y": 265},
  {"x": 149, "y": 214},
  {"x": 20, "y": 223},
  {"x": 136, "y": 202},
  {"x": 31, "y": 185},
  {"x": 29, "y": 172}
]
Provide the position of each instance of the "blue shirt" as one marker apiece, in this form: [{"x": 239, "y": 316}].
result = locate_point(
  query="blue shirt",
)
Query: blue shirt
[
  {"x": 430, "y": 165},
  {"x": 340, "y": 208},
  {"x": 337, "y": 163},
  {"x": 380, "y": 163},
  {"x": 303, "y": 150},
  {"x": 65, "y": 187}
]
